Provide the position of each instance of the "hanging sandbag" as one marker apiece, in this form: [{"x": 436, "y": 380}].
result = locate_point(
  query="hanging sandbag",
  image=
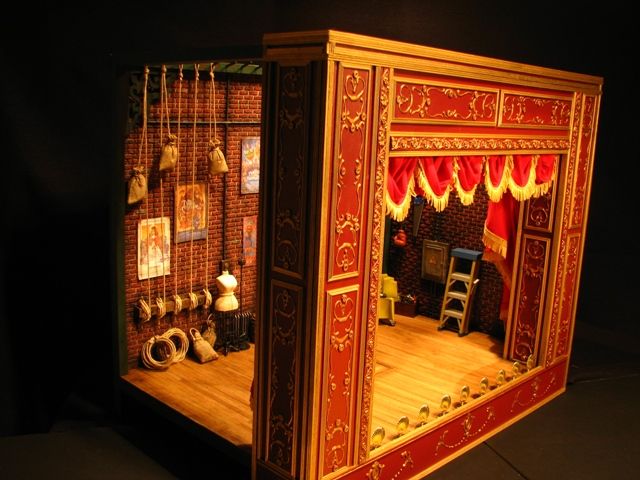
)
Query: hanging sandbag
[
  {"x": 217, "y": 162},
  {"x": 169, "y": 154},
  {"x": 137, "y": 185}
]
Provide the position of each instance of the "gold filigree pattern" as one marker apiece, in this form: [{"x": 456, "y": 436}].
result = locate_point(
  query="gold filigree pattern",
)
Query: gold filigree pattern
[
  {"x": 445, "y": 104},
  {"x": 524, "y": 110},
  {"x": 531, "y": 286},
  {"x": 582, "y": 169},
  {"x": 283, "y": 367},
  {"x": 349, "y": 174},
  {"x": 559, "y": 280},
  {"x": 468, "y": 431},
  {"x": 534, "y": 392},
  {"x": 342, "y": 313},
  {"x": 375, "y": 472},
  {"x": 474, "y": 144},
  {"x": 374, "y": 263},
  {"x": 539, "y": 211},
  {"x": 569, "y": 282},
  {"x": 290, "y": 195}
]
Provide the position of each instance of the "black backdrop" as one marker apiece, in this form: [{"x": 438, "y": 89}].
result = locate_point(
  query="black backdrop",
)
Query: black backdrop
[{"x": 59, "y": 142}]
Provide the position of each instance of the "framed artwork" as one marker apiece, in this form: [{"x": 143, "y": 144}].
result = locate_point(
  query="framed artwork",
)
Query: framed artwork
[
  {"x": 191, "y": 212},
  {"x": 249, "y": 239},
  {"x": 250, "y": 172},
  {"x": 154, "y": 247}
]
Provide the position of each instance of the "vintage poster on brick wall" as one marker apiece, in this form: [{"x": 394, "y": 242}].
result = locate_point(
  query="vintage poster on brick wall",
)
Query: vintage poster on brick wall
[
  {"x": 154, "y": 247},
  {"x": 191, "y": 212},
  {"x": 249, "y": 239},
  {"x": 250, "y": 165}
]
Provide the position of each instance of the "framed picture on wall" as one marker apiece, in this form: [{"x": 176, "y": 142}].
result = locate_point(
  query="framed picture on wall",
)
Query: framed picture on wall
[
  {"x": 249, "y": 239},
  {"x": 154, "y": 247},
  {"x": 250, "y": 172},
  {"x": 191, "y": 212}
]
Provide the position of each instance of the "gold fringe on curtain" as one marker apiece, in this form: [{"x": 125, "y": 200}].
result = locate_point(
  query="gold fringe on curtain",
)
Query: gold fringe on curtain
[
  {"x": 399, "y": 212},
  {"x": 526, "y": 191},
  {"x": 466, "y": 197},
  {"x": 438, "y": 202},
  {"x": 494, "y": 242},
  {"x": 495, "y": 192}
]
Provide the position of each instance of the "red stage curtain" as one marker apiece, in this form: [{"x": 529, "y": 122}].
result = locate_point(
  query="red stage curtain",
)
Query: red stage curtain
[
  {"x": 400, "y": 186},
  {"x": 435, "y": 178},
  {"x": 525, "y": 176},
  {"x": 467, "y": 175},
  {"x": 499, "y": 239}
]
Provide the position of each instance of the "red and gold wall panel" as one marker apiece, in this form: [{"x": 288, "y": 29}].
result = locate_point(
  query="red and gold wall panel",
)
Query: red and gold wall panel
[
  {"x": 534, "y": 111},
  {"x": 344, "y": 331},
  {"x": 567, "y": 297},
  {"x": 350, "y": 173},
  {"x": 529, "y": 304},
  {"x": 575, "y": 204},
  {"x": 539, "y": 212},
  {"x": 446, "y": 103},
  {"x": 347, "y": 256},
  {"x": 583, "y": 168}
]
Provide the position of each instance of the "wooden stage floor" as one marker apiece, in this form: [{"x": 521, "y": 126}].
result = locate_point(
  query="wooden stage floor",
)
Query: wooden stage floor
[{"x": 415, "y": 365}]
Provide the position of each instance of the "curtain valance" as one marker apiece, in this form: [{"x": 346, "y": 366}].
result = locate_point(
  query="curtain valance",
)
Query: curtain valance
[{"x": 434, "y": 178}]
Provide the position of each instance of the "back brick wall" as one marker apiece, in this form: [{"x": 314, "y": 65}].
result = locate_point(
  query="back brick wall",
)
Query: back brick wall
[{"x": 196, "y": 264}]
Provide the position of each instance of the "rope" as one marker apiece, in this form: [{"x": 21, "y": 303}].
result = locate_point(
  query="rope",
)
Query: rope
[
  {"x": 163, "y": 101},
  {"x": 165, "y": 350},
  {"x": 143, "y": 306},
  {"x": 161, "y": 351},
  {"x": 177, "y": 299},
  {"x": 193, "y": 179},
  {"x": 182, "y": 345}
]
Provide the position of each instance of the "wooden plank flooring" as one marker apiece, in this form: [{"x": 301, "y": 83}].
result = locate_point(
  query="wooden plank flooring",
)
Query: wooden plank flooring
[{"x": 415, "y": 364}]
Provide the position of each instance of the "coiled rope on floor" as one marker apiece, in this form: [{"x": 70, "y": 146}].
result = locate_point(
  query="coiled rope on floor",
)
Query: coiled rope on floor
[
  {"x": 164, "y": 350},
  {"x": 161, "y": 351}
]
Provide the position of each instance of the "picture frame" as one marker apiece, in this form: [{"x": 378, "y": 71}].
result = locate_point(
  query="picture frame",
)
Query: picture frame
[
  {"x": 191, "y": 212},
  {"x": 154, "y": 247},
  {"x": 249, "y": 239},
  {"x": 250, "y": 167}
]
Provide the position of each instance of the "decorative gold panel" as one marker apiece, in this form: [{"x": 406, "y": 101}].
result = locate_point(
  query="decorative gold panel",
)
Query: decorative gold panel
[
  {"x": 529, "y": 305},
  {"x": 539, "y": 214},
  {"x": 534, "y": 111},
  {"x": 583, "y": 169},
  {"x": 561, "y": 236},
  {"x": 290, "y": 195},
  {"x": 402, "y": 144},
  {"x": 343, "y": 330},
  {"x": 569, "y": 283},
  {"x": 444, "y": 103},
  {"x": 286, "y": 305},
  {"x": 350, "y": 174},
  {"x": 375, "y": 258}
]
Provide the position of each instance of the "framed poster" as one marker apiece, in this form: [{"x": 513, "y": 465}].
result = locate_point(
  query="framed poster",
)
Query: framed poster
[
  {"x": 154, "y": 247},
  {"x": 250, "y": 172},
  {"x": 191, "y": 212},
  {"x": 249, "y": 239}
]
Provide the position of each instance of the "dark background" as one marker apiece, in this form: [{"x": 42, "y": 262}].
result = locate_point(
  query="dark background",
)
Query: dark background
[{"x": 60, "y": 143}]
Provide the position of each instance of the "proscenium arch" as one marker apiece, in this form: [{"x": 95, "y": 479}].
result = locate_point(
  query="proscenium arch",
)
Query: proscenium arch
[{"x": 329, "y": 101}]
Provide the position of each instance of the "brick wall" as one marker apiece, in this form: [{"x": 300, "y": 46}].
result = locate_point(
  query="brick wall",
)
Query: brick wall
[
  {"x": 194, "y": 264},
  {"x": 458, "y": 226}
]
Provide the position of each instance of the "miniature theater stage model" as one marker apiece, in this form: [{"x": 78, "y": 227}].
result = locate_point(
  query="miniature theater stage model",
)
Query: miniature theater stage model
[{"x": 352, "y": 128}]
